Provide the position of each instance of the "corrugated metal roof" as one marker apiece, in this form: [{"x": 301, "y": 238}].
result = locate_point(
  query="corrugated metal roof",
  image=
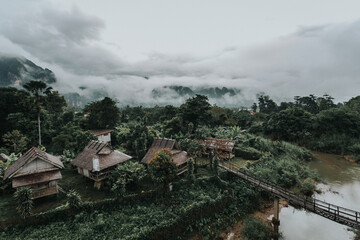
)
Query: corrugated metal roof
[
  {"x": 32, "y": 154},
  {"x": 85, "y": 158}
]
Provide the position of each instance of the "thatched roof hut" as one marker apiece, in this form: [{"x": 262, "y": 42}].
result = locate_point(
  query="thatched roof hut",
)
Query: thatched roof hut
[
  {"x": 180, "y": 157},
  {"x": 37, "y": 170},
  {"x": 223, "y": 147},
  {"x": 98, "y": 159}
]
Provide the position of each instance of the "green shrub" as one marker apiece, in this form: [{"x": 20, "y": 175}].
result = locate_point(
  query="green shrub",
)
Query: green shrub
[
  {"x": 308, "y": 187},
  {"x": 67, "y": 157},
  {"x": 129, "y": 173},
  {"x": 357, "y": 158},
  {"x": 284, "y": 171},
  {"x": 354, "y": 149},
  {"x": 190, "y": 170},
  {"x": 119, "y": 187},
  {"x": 24, "y": 202},
  {"x": 216, "y": 165},
  {"x": 255, "y": 229},
  {"x": 74, "y": 199},
  {"x": 248, "y": 153}
]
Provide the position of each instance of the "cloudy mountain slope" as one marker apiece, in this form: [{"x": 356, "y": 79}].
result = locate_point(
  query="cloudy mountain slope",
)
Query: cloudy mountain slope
[{"x": 16, "y": 71}]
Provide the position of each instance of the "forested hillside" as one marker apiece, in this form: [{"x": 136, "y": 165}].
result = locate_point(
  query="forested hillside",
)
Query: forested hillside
[
  {"x": 259, "y": 135},
  {"x": 314, "y": 122}
]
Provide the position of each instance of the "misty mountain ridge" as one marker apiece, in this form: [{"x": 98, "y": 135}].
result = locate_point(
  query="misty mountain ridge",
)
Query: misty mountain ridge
[
  {"x": 16, "y": 71},
  {"x": 211, "y": 92}
]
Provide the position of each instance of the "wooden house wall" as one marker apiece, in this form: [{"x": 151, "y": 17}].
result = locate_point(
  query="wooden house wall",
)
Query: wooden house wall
[
  {"x": 43, "y": 185},
  {"x": 53, "y": 183},
  {"x": 83, "y": 172},
  {"x": 35, "y": 166},
  {"x": 86, "y": 172},
  {"x": 105, "y": 137}
]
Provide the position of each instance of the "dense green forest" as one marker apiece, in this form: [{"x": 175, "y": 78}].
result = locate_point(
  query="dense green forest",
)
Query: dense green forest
[
  {"x": 314, "y": 122},
  {"x": 261, "y": 135}
]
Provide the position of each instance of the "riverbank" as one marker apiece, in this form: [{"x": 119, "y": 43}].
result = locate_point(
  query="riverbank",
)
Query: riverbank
[
  {"x": 340, "y": 181},
  {"x": 264, "y": 213},
  {"x": 340, "y": 186}
]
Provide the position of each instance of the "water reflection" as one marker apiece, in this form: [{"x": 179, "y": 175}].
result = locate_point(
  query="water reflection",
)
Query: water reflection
[{"x": 342, "y": 188}]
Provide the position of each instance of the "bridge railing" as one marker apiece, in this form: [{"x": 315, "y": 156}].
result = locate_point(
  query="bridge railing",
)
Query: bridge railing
[{"x": 309, "y": 203}]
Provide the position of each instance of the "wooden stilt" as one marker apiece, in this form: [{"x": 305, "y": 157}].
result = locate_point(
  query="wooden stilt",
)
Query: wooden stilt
[
  {"x": 276, "y": 219},
  {"x": 97, "y": 184}
]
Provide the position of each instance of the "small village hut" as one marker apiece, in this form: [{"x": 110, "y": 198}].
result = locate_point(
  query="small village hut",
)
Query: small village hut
[
  {"x": 38, "y": 170},
  {"x": 180, "y": 157},
  {"x": 97, "y": 160}
]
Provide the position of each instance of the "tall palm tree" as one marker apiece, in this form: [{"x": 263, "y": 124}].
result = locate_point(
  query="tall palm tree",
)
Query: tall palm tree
[{"x": 36, "y": 88}]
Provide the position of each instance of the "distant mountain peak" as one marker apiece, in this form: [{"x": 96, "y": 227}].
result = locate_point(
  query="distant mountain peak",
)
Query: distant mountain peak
[
  {"x": 16, "y": 71},
  {"x": 211, "y": 92}
]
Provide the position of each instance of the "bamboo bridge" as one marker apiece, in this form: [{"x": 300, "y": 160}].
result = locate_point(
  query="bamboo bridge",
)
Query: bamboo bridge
[{"x": 330, "y": 211}]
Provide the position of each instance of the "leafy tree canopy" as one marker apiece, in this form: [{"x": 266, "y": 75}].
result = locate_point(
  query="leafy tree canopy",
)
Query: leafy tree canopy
[
  {"x": 162, "y": 167},
  {"x": 291, "y": 124},
  {"x": 102, "y": 114},
  {"x": 196, "y": 110},
  {"x": 72, "y": 138},
  {"x": 15, "y": 141}
]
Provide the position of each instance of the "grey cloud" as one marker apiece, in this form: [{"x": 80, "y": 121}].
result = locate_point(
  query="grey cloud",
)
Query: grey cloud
[
  {"x": 311, "y": 31},
  {"x": 312, "y": 60},
  {"x": 73, "y": 25},
  {"x": 66, "y": 38},
  {"x": 315, "y": 59},
  {"x": 320, "y": 59}
]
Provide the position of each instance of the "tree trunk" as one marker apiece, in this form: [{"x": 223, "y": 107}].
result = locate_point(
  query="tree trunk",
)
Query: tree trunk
[
  {"x": 39, "y": 128},
  {"x": 38, "y": 113}
]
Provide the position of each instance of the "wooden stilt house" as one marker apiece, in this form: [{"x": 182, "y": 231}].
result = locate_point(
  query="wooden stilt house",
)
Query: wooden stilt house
[
  {"x": 180, "y": 157},
  {"x": 97, "y": 160},
  {"x": 224, "y": 148},
  {"x": 38, "y": 170}
]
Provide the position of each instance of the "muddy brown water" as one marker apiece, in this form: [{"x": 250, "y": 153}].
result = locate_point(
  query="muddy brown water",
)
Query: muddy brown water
[{"x": 342, "y": 187}]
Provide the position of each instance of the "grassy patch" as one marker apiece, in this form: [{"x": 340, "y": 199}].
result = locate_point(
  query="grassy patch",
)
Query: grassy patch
[
  {"x": 71, "y": 180},
  {"x": 7, "y": 206},
  {"x": 84, "y": 186}
]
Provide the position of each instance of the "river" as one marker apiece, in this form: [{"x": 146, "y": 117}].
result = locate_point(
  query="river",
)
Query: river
[{"x": 342, "y": 188}]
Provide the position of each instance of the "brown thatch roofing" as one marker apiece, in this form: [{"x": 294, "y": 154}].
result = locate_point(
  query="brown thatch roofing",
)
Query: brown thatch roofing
[
  {"x": 32, "y": 154},
  {"x": 180, "y": 157},
  {"x": 219, "y": 144},
  {"x": 98, "y": 132},
  {"x": 36, "y": 178},
  {"x": 93, "y": 151},
  {"x": 158, "y": 144}
]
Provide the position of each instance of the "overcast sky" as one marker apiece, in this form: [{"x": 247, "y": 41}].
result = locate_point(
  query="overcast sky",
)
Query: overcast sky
[{"x": 280, "y": 47}]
